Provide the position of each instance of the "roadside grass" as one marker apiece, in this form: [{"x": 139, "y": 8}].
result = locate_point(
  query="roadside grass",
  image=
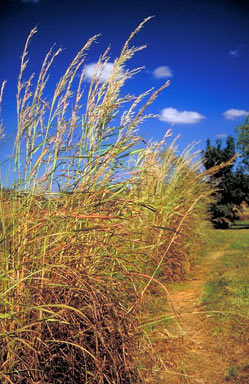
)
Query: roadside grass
[
  {"x": 226, "y": 296},
  {"x": 94, "y": 222}
]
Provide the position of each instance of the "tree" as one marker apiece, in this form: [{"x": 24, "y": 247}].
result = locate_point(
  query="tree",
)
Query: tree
[
  {"x": 232, "y": 186},
  {"x": 243, "y": 142}
]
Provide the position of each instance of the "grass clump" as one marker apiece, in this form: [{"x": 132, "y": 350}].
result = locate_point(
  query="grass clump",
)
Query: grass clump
[{"x": 93, "y": 224}]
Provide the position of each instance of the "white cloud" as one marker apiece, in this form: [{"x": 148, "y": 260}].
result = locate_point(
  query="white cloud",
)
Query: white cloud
[
  {"x": 234, "y": 53},
  {"x": 162, "y": 72},
  {"x": 172, "y": 115},
  {"x": 90, "y": 68},
  {"x": 232, "y": 113},
  {"x": 221, "y": 136},
  {"x": 237, "y": 51}
]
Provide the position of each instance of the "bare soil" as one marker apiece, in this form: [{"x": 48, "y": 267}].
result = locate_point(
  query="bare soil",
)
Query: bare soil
[{"x": 205, "y": 359}]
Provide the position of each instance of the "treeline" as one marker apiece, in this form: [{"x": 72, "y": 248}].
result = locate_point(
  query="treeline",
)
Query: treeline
[{"x": 231, "y": 181}]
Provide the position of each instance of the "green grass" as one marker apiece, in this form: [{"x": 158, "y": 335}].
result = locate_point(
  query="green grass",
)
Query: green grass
[
  {"x": 227, "y": 294},
  {"x": 228, "y": 286}
]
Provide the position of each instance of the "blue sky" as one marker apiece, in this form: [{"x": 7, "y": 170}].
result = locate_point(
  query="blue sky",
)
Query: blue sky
[{"x": 202, "y": 47}]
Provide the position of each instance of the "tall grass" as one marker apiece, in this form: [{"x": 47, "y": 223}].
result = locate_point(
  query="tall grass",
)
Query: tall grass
[{"x": 92, "y": 223}]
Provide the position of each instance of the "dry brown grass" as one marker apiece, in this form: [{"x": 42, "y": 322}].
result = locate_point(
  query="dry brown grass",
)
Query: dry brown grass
[{"x": 88, "y": 237}]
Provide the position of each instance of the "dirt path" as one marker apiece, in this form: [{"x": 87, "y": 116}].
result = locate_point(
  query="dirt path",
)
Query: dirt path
[{"x": 204, "y": 360}]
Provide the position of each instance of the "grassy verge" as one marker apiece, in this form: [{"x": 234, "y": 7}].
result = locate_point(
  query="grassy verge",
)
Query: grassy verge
[
  {"x": 227, "y": 292},
  {"x": 93, "y": 222}
]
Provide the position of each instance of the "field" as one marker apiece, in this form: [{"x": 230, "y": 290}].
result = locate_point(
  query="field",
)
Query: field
[
  {"x": 95, "y": 223},
  {"x": 226, "y": 292},
  {"x": 210, "y": 334}
]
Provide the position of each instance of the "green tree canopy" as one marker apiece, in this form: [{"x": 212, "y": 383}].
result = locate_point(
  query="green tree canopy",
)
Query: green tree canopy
[
  {"x": 243, "y": 142},
  {"x": 232, "y": 183}
]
